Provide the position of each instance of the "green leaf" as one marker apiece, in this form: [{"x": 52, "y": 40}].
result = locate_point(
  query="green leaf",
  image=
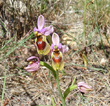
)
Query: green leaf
[
  {"x": 70, "y": 88},
  {"x": 73, "y": 81},
  {"x": 84, "y": 59},
  {"x": 49, "y": 67},
  {"x": 43, "y": 105},
  {"x": 53, "y": 103}
]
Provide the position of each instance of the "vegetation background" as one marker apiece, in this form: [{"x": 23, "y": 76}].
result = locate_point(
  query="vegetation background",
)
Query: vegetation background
[{"x": 83, "y": 25}]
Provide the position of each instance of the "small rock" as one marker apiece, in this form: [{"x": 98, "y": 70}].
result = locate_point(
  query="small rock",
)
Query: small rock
[{"x": 103, "y": 61}]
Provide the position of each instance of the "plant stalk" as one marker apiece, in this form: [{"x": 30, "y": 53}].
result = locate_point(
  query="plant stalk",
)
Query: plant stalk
[{"x": 58, "y": 85}]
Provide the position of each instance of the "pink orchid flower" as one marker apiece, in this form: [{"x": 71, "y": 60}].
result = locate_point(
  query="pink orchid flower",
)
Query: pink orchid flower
[
  {"x": 57, "y": 50},
  {"x": 43, "y": 46},
  {"x": 34, "y": 64},
  {"x": 83, "y": 87}
]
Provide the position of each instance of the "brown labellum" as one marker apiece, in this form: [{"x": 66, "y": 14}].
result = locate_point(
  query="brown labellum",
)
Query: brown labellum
[
  {"x": 56, "y": 57},
  {"x": 40, "y": 43}
]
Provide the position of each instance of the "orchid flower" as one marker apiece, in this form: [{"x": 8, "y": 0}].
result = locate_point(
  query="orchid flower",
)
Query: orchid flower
[
  {"x": 33, "y": 64},
  {"x": 57, "y": 50},
  {"x": 83, "y": 87},
  {"x": 43, "y": 46}
]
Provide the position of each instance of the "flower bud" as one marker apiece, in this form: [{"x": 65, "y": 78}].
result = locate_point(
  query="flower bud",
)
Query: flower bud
[
  {"x": 34, "y": 64},
  {"x": 83, "y": 87}
]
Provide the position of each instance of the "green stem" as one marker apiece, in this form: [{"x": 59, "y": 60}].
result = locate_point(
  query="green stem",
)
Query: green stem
[{"x": 61, "y": 95}]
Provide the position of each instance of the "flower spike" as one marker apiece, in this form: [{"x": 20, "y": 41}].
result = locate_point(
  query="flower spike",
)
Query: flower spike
[
  {"x": 57, "y": 50},
  {"x": 43, "y": 46}
]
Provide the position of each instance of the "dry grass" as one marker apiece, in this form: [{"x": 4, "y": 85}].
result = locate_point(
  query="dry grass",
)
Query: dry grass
[{"x": 21, "y": 88}]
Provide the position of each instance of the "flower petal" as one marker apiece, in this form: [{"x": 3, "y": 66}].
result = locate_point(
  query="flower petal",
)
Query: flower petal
[
  {"x": 64, "y": 48},
  {"x": 83, "y": 87},
  {"x": 40, "y": 22},
  {"x": 61, "y": 65},
  {"x": 35, "y": 29},
  {"x": 59, "y": 46},
  {"x": 58, "y": 66},
  {"x": 33, "y": 57},
  {"x": 57, "y": 61},
  {"x": 55, "y": 39},
  {"x": 52, "y": 46},
  {"x": 55, "y": 66},
  {"x": 84, "y": 84},
  {"x": 48, "y": 30},
  {"x": 47, "y": 49},
  {"x": 43, "y": 46},
  {"x": 33, "y": 67}
]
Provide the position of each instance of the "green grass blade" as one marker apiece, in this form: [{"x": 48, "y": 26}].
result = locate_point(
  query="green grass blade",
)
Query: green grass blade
[
  {"x": 3, "y": 88},
  {"x": 8, "y": 42},
  {"x": 15, "y": 47},
  {"x": 107, "y": 39},
  {"x": 3, "y": 25},
  {"x": 100, "y": 35}
]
